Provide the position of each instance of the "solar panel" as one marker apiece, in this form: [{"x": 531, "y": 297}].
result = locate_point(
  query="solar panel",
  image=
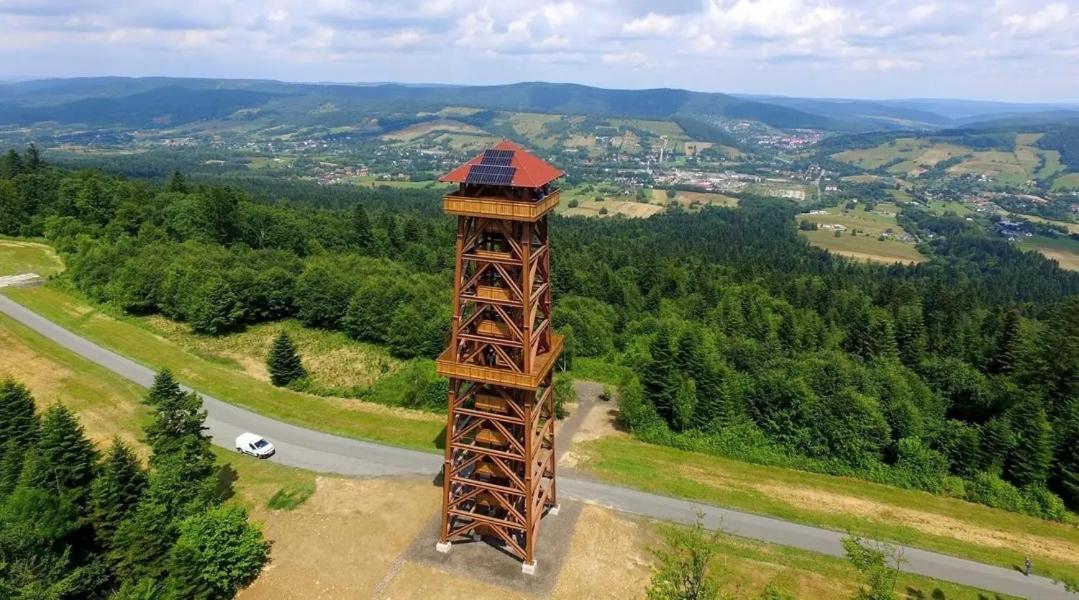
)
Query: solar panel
[
  {"x": 490, "y": 174},
  {"x": 501, "y": 158}
]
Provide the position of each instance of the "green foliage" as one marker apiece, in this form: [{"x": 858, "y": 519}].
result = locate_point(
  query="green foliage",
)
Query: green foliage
[
  {"x": 76, "y": 527},
  {"x": 63, "y": 459},
  {"x": 216, "y": 553},
  {"x": 879, "y": 566},
  {"x": 683, "y": 570},
  {"x": 563, "y": 394},
  {"x": 284, "y": 362},
  {"x": 115, "y": 491}
]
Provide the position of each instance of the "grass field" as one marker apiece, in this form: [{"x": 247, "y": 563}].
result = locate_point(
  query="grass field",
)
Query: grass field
[
  {"x": 860, "y": 239},
  {"x": 332, "y": 360},
  {"x": 1063, "y": 250},
  {"x": 1066, "y": 182},
  {"x": 909, "y": 517},
  {"x": 21, "y": 256},
  {"x": 350, "y": 418},
  {"x": 692, "y": 200},
  {"x": 917, "y": 155}
]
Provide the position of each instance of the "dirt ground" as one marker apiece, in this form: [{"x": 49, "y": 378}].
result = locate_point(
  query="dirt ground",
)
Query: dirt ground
[
  {"x": 598, "y": 422},
  {"x": 344, "y": 540},
  {"x": 608, "y": 558}
]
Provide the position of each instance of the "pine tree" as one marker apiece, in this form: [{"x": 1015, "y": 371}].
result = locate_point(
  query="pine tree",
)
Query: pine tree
[
  {"x": 165, "y": 388},
  {"x": 1033, "y": 452},
  {"x": 19, "y": 426},
  {"x": 18, "y": 421},
  {"x": 33, "y": 158},
  {"x": 361, "y": 227},
  {"x": 685, "y": 405},
  {"x": 116, "y": 490},
  {"x": 1007, "y": 352},
  {"x": 284, "y": 362},
  {"x": 142, "y": 541},
  {"x": 910, "y": 334},
  {"x": 63, "y": 459},
  {"x": 177, "y": 183},
  {"x": 660, "y": 379},
  {"x": 1066, "y": 479}
]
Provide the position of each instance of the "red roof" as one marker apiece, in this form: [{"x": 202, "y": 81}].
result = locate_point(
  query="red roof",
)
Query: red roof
[{"x": 530, "y": 171}]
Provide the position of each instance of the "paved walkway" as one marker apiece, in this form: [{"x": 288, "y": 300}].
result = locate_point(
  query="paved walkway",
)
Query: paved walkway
[{"x": 322, "y": 452}]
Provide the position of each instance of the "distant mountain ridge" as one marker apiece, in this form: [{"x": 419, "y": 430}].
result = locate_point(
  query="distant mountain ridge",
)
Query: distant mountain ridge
[{"x": 159, "y": 101}]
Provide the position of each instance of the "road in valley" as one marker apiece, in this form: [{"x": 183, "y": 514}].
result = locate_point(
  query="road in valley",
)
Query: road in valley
[{"x": 326, "y": 453}]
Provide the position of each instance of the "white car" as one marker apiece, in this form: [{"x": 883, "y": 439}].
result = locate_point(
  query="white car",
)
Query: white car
[{"x": 255, "y": 445}]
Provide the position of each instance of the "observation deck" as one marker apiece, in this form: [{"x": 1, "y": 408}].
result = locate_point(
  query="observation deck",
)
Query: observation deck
[{"x": 494, "y": 207}]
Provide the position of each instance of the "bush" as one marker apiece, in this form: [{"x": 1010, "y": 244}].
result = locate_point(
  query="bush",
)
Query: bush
[{"x": 563, "y": 394}]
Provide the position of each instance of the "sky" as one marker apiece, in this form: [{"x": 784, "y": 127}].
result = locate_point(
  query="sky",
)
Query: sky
[{"x": 1017, "y": 50}]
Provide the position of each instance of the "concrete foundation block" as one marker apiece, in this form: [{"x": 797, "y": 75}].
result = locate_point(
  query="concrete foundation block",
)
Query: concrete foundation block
[
  {"x": 528, "y": 568},
  {"x": 444, "y": 548},
  {"x": 553, "y": 511}
]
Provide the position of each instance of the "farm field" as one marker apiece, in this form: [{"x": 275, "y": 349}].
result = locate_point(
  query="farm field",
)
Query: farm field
[
  {"x": 783, "y": 189},
  {"x": 916, "y": 155},
  {"x": 625, "y": 208},
  {"x": 316, "y": 542},
  {"x": 692, "y": 200},
  {"x": 1066, "y": 182},
  {"x": 860, "y": 235},
  {"x": 1063, "y": 250},
  {"x": 914, "y": 518},
  {"x": 22, "y": 256}
]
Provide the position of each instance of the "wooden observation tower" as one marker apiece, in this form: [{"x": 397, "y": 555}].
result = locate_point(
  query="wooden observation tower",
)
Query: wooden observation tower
[{"x": 499, "y": 471}]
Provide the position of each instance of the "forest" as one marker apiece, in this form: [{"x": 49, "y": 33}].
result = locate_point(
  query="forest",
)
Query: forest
[
  {"x": 957, "y": 376},
  {"x": 78, "y": 523}
]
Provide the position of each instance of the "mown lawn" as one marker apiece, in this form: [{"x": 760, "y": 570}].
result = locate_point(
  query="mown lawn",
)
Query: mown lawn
[
  {"x": 907, "y": 517},
  {"x": 350, "y": 418}
]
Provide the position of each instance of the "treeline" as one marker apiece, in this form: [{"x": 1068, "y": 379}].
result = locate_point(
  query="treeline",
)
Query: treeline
[
  {"x": 75, "y": 523},
  {"x": 1064, "y": 140},
  {"x": 737, "y": 329}
]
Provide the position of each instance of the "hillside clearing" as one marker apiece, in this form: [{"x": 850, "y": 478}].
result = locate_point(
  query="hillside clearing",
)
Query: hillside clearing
[{"x": 21, "y": 256}]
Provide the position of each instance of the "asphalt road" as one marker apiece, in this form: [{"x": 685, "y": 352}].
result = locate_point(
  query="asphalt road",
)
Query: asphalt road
[{"x": 326, "y": 453}]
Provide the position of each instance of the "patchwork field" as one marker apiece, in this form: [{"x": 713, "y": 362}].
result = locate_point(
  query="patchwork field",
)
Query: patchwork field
[
  {"x": 693, "y": 200},
  {"x": 1063, "y": 250},
  {"x": 915, "y": 155},
  {"x": 414, "y": 132},
  {"x": 858, "y": 234}
]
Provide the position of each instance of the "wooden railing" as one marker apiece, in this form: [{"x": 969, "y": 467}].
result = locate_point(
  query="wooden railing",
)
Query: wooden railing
[
  {"x": 448, "y": 367},
  {"x": 500, "y": 208}
]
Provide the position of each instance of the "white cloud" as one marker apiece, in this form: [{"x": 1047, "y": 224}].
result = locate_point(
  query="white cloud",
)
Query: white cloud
[
  {"x": 827, "y": 47},
  {"x": 650, "y": 24},
  {"x": 1051, "y": 17}
]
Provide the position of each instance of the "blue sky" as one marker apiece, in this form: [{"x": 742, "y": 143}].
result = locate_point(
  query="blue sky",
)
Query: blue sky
[{"x": 1005, "y": 49}]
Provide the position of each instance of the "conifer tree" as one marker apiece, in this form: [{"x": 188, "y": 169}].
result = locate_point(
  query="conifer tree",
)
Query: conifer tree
[
  {"x": 1067, "y": 464},
  {"x": 685, "y": 405},
  {"x": 659, "y": 380},
  {"x": 1033, "y": 452},
  {"x": 116, "y": 490},
  {"x": 63, "y": 459},
  {"x": 910, "y": 334},
  {"x": 164, "y": 388},
  {"x": 284, "y": 361},
  {"x": 361, "y": 227},
  {"x": 177, "y": 183},
  {"x": 18, "y": 421},
  {"x": 18, "y": 430}
]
